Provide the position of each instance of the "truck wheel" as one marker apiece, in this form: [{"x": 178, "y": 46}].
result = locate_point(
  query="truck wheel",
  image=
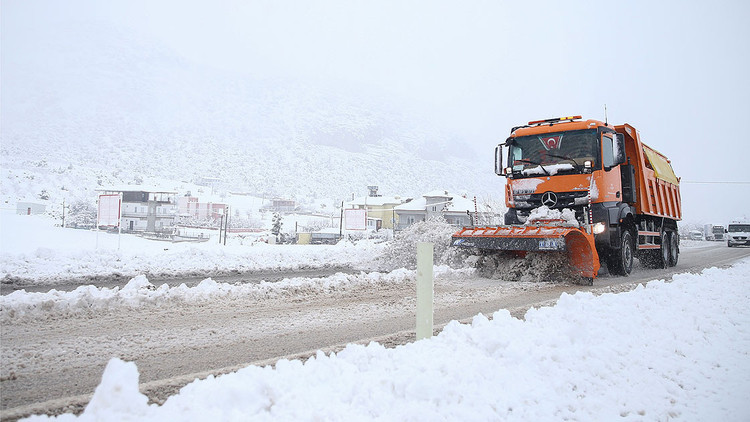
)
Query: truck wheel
[
  {"x": 729, "y": 245},
  {"x": 674, "y": 248},
  {"x": 662, "y": 259},
  {"x": 620, "y": 261},
  {"x": 657, "y": 258}
]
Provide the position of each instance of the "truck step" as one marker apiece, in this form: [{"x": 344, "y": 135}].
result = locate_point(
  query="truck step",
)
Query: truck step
[{"x": 649, "y": 246}]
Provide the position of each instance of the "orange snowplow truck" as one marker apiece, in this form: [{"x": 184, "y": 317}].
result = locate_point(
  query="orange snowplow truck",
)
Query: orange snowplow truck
[{"x": 624, "y": 195}]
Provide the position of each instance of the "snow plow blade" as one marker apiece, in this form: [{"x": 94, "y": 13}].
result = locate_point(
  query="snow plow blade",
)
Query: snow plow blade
[{"x": 575, "y": 242}]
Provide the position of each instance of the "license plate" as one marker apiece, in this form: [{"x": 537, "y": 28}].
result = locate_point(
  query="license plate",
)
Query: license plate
[{"x": 548, "y": 244}]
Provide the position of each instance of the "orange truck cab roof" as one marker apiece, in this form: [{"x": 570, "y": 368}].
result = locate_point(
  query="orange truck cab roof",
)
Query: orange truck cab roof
[{"x": 535, "y": 128}]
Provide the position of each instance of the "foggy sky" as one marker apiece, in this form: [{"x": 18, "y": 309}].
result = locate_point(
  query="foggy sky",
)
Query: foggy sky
[{"x": 675, "y": 70}]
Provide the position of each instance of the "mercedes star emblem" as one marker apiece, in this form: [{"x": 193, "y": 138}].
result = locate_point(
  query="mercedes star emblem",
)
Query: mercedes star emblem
[{"x": 549, "y": 199}]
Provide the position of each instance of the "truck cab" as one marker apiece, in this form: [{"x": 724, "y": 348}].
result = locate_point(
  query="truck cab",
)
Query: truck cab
[{"x": 718, "y": 232}]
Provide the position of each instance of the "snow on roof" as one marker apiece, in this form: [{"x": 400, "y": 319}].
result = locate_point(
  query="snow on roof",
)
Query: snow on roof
[
  {"x": 453, "y": 203},
  {"x": 437, "y": 194},
  {"x": 414, "y": 205},
  {"x": 376, "y": 200},
  {"x": 136, "y": 188},
  {"x": 461, "y": 204}
]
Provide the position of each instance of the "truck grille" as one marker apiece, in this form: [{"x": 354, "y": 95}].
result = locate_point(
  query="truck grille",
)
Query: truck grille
[{"x": 564, "y": 199}]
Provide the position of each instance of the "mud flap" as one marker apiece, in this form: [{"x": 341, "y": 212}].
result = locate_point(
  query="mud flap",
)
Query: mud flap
[{"x": 578, "y": 245}]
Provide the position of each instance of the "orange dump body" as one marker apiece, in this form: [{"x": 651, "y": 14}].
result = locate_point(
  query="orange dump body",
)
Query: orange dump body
[{"x": 658, "y": 189}]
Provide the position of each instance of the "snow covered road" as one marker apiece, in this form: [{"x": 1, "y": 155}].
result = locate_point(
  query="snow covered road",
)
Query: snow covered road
[{"x": 54, "y": 357}]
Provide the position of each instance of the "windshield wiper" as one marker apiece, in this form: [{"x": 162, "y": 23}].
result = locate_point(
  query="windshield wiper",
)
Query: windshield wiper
[
  {"x": 526, "y": 160},
  {"x": 565, "y": 157}
]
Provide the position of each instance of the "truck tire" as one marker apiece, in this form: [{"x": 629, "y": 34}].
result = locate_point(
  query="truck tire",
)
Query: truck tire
[
  {"x": 674, "y": 248},
  {"x": 662, "y": 259},
  {"x": 620, "y": 261}
]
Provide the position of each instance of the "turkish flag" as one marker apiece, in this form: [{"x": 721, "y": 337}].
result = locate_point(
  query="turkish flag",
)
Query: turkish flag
[{"x": 551, "y": 142}]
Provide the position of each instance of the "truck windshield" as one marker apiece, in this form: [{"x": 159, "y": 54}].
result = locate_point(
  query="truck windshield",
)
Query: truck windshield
[
  {"x": 739, "y": 228},
  {"x": 552, "y": 153}
]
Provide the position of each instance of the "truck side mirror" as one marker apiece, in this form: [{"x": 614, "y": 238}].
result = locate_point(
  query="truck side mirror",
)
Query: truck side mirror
[
  {"x": 499, "y": 168},
  {"x": 619, "y": 149}
]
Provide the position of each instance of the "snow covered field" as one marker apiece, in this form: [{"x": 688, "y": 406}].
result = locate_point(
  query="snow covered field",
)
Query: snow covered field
[
  {"x": 667, "y": 351},
  {"x": 33, "y": 250}
]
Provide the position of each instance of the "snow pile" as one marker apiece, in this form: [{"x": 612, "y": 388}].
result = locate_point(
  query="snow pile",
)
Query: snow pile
[
  {"x": 534, "y": 267},
  {"x": 676, "y": 350},
  {"x": 118, "y": 392},
  {"x": 567, "y": 216},
  {"x": 139, "y": 292},
  {"x": 401, "y": 253}
]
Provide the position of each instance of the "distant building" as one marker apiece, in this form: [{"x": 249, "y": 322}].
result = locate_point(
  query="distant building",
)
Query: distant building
[
  {"x": 380, "y": 209},
  {"x": 30, "y": 208},
  {"x": 146, "y": 209},
  {"x": 456, "y": 209},
  {"x": 211, "y": 182},
  {"x": 281, "y": 205},
  {"x": 190, "y": 209}
]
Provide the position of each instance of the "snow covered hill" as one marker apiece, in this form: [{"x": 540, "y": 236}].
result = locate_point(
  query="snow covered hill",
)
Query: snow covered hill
[{"x": 92, "y": 105}]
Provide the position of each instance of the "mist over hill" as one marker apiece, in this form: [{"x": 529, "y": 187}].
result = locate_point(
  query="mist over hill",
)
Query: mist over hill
[{"x": 94, "y": 106}]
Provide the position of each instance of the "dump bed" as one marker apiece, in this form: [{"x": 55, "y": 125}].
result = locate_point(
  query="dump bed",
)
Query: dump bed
[{"x": 657, "y": 189}]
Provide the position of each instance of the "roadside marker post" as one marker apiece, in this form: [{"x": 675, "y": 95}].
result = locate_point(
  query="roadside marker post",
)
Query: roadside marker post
[{"x": 425, "y": 290}]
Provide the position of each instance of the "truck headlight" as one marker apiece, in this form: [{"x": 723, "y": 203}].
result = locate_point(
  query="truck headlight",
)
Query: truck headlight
[{"x": 599, "y": 228}]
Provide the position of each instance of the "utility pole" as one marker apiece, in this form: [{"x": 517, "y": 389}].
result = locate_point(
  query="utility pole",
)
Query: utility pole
[
  {"x": 63, "y": 213},
  {"x": 341, "y": 220},
  {"x": 221, "y": 224},
  {"x": 226, "y": 227}
]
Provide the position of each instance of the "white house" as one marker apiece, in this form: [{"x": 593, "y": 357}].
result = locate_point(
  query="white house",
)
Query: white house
[
  {"x": 146, "y": 208},
  {"x": 455, "y": 209},
  {"x": 380, "y": 210}
]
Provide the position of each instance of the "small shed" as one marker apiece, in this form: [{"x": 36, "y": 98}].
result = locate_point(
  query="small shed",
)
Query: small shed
[
  {"x": 324, "y": 238},
  {"x": 329, "y": 236}
]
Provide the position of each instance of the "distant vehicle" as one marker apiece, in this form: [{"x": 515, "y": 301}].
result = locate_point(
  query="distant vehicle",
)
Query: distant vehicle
[
  {"x": 718, "y": 232},
  {"x": 708, "y": 231},
  {"x": 695, "y": 235},
  {"x": 738, "y": 234}
]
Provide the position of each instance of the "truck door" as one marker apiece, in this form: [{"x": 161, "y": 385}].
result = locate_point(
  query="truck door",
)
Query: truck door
[{"x": 609, "y": 186}]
